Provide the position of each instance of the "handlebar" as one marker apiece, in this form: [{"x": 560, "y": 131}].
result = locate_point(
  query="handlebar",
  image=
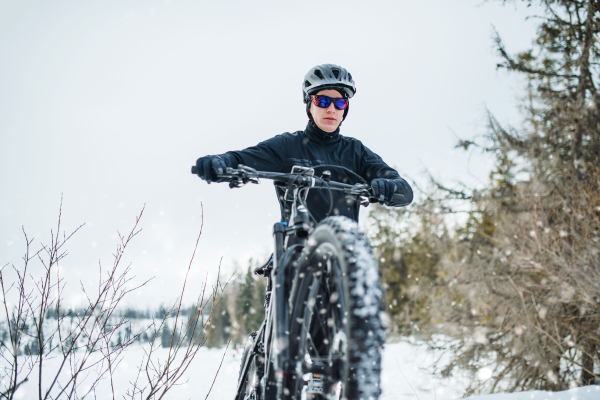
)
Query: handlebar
[{"x": 244, "y": 174}]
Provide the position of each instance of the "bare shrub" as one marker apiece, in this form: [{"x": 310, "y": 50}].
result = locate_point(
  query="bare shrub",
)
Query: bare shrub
[
  {"x": 526, "y": 305},
  {"x": 87, "y": 342},
  {"x": 157, "y": 376}
]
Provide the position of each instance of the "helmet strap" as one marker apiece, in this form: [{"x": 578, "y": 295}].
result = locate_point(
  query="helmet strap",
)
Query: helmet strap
[{"x": 310, "y": 117}]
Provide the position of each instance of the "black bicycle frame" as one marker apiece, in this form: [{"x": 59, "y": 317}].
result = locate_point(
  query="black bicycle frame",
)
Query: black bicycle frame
[{"x": 274, "y": 331}]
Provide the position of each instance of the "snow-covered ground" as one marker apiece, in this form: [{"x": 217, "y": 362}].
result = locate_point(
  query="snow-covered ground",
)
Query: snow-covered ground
[
  {"x": 582, "y": 393},
  {"x": 404, "y": 377}
]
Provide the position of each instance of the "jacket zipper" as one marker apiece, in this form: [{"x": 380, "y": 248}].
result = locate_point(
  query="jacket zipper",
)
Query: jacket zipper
[
  {"x": 325, "y": 154},
  {"x": 326, "y": 160}
]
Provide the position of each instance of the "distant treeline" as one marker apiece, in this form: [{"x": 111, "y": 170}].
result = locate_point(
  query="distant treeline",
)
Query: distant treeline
[
  {"x": 239, "y": 312},
  {"x": 128, "y": 313}
]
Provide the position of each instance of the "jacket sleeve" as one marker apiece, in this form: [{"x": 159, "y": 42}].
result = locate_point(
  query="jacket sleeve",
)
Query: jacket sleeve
[
  {"x": 265, "y": 156},
  {"x": 373, "y": 167}
]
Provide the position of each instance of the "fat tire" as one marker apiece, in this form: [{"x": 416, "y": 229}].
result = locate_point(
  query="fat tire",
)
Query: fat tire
[{"x": 362, "y": 294}]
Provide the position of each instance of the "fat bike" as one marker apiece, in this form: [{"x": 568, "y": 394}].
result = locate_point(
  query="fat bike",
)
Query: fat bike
[{"x": 322, "y": 335}]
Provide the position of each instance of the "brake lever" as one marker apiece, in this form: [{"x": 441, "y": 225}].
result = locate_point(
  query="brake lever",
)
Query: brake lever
[
  {"x": 367, "y": 194},
  {"x": 237, "y": 182},
  {"x": 241, "y": 176},
  {"x": 360, "y": 192},
  {"x": 246, "y": 169},
  {"x": 235, "y": 177},
  {"x": 364, "y": 201}
]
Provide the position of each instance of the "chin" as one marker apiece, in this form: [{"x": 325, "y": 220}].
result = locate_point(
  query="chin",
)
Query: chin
[{"x": 329, "y": 128}]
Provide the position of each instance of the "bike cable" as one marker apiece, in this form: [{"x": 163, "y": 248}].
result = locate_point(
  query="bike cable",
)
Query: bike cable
[
  {"x": 329, "y": 191},
  {"x": 301, "y": 199},
  {"x": 327, "y": 185},
  {"x": 344, "y": 168},
  {"x": 330, "y": 198}
]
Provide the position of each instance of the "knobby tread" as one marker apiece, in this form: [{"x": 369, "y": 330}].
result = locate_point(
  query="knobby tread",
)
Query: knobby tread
[{"x": 367, "y": 333}]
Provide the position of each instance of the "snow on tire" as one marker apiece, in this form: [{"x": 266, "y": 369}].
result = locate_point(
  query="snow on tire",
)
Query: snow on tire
[{"x": 364, "y": 295}]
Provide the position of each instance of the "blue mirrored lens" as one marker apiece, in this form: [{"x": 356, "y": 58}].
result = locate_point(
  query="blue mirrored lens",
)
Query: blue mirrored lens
[
  {"x": 324, "y": 101},
  {"x": 340, "y": 104}
]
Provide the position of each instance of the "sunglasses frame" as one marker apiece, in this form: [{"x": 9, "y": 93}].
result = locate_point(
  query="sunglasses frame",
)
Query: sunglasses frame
[{"x": 315, "y": 100}]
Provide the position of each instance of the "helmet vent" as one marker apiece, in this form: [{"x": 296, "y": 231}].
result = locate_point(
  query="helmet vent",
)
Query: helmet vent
[{"x": 328, "y": 76}]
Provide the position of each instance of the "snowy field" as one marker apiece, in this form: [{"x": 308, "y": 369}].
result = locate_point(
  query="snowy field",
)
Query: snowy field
[{"x": 404, "y": 377}]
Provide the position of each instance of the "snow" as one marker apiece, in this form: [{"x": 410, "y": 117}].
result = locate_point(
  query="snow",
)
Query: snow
[
  {"x": 581, "y": 393},
  {"x": 195, "y": 384},
  {"x": 405, "y": 376}
]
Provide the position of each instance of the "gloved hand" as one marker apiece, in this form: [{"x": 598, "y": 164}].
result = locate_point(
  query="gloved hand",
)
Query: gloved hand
[
  {"x": 207, "y": 168},
  {"x": 383, "y": 189}
]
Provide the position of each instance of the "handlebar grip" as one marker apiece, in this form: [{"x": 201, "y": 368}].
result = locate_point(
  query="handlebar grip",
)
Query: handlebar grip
[{"x": 194, "y": 170}]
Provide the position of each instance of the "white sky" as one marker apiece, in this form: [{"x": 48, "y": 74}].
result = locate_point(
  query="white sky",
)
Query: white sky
[{"x": 111, "y": 102}]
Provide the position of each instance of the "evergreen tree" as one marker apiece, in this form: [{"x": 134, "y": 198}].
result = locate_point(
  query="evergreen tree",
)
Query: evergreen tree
[
  {"x": 562, "y": 139},
  {"x": 516, "y": 288},
  {"x": 166, "y": 337},
  {"x": 249, "y": 303},
  {"x": 527, "y": 294},
  {"x": 219, "y": 329},
  {"x": 408, "y": 246}
]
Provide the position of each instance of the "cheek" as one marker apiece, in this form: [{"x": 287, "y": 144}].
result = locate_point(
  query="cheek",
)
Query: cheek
[{"x": 316, "y": 111}]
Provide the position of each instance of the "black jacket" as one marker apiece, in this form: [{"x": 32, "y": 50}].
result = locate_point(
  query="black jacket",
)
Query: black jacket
[{"x": 312, "y": 148}]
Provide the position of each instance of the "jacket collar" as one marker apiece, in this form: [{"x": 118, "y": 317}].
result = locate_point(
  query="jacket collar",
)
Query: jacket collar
[{"x": 315, "y": 134}]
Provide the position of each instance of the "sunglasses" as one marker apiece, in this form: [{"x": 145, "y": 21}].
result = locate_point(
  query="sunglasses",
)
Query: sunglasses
[{"x": 324, "y": 102}]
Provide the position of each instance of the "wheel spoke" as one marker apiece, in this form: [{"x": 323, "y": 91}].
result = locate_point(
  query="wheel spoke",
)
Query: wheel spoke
[
  {"x": 320, "y": 324},
  {"x": 312, "y": 344},
  {"x": 324, "y": 339}
]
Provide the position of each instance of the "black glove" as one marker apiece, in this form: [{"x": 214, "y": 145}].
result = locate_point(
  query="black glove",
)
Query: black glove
[
  {"x": 383, "y": 189},
  {"x": 208, "y": 167}
]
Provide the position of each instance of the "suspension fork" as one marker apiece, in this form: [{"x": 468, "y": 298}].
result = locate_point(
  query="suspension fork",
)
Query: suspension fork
[
  {"x": 277, "y": 329},
  {"x": 276, "y": 332},
  {"x": 280, "y": 305}
]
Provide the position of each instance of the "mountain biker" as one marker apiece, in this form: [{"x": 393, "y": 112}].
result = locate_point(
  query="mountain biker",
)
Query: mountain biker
[{"x": 327, "y": 90}]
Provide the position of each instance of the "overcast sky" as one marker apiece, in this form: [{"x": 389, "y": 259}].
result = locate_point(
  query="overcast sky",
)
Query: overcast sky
[{"x": 110, "y": 103}]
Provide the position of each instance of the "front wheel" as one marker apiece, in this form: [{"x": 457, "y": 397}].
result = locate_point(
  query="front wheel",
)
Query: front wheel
[{"x": 336, "y": 334}]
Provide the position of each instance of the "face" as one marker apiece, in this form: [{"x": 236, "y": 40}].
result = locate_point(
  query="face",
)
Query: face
[{"x": 328, "y": 119}]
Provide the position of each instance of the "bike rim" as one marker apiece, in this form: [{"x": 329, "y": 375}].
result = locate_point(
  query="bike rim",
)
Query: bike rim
[{"x": 324, "y": 326}]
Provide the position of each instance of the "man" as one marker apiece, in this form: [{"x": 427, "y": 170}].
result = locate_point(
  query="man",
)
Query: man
[{"x": 326, "y": 91}]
